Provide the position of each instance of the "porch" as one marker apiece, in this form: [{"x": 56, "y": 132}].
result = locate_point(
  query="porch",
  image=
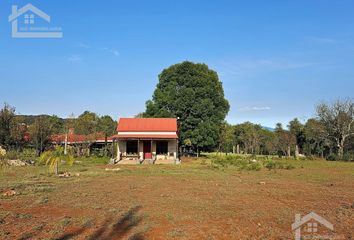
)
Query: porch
[{"x": 146, "y": 151}]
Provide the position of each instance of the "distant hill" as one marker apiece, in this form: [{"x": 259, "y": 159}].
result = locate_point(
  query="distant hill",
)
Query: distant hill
[
  {"x": 29, "y": 119},
  {"x": 268, "y": 128}
]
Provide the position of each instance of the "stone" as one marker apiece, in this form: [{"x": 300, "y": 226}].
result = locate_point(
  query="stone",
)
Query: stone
[
  {"x": 65, "y": 175},
  {"x": 16, "y": 163},
  {"x": 112, "y": 169},
  {"x": 9, "y": 193},
  {"x": 2, "y": 151}
]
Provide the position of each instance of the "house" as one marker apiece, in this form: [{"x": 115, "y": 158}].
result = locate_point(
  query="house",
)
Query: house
[
  {"x": 146, "y": 140},
  {"x": 83, "y": 143},
  {"x": 310, "y": 223}
]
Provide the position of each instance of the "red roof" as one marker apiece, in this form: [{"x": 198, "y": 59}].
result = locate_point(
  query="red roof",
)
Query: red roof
[
  {"x": 147, "y": 125},
  {"x": 74, "y": 138},
  {"x": 147, "y": 136}
]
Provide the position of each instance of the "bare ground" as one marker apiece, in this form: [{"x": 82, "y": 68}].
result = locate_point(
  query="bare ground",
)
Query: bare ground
[{"x": 191, "y": 201}]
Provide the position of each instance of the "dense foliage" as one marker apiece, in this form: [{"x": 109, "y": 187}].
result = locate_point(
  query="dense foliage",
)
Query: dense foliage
[
  {"x": 19, "y": 133},
  {"x": 330, "y": 135},
  {"x": 192, "y": 93}
]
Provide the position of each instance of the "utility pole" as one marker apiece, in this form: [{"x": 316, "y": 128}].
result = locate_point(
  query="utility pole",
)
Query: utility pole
[{"x": 66, "y": 144}]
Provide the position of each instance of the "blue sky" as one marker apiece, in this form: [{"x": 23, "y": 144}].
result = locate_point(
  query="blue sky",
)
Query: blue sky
[{"x": 276, "y": 59}]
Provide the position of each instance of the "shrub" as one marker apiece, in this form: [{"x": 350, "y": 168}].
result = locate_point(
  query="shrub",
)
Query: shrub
[
  {"x": 289, "y": 166},
  {"x": 332, "y": 157},
  {"x": 12, "y": 155},
  {"x": 270, "y": 164},
  {"x": 256, "y": 166},
  {"x": 348, "y": 157}
]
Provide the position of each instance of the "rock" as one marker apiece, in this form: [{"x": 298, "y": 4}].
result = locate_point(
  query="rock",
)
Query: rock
[
  {"x": 9, "y": 193},
  {"x": 16, "y": 163},
  {"x": 262, "y": 183},
  {"x": 65, "y": 175},
  {"x": 2, "y": 151},
  {"x": 112, "y": 169}
]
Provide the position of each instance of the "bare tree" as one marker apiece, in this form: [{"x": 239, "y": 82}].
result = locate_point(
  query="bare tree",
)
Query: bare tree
[{"x": 338, "y": 120}]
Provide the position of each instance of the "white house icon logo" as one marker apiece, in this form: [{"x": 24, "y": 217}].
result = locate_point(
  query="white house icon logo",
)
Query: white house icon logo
[
  {"x": 29, "y": 13},
  {"x": 311, "y": 220}
]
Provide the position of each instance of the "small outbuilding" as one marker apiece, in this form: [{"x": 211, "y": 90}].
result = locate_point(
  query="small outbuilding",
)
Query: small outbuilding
[{"x": 146, "y": 140}]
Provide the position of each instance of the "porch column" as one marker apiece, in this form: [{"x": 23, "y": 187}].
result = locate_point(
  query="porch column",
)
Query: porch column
[
  {"x": 139, "y": 149},
  {"x": 176, "y": 153},
  {"x": 118, "y": 150}
]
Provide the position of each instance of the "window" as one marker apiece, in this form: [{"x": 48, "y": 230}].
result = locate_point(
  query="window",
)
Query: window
[
  {"x": 161, "y": 147},
  {"x": 29, "y": 19},
  {"x": 132, "y": 147}
]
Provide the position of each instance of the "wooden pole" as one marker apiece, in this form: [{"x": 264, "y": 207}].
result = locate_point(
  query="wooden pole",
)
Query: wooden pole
[{"x": 66, "y": 144}]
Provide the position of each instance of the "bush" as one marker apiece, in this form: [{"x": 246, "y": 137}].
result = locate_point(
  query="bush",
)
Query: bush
[
  {"x": 270, "y": 164},
  {"x": 348, "y": 157},
  {"x": 25, "y": 155},
  {"x": 332, "y": 157},
  {"x": 255, "y": 166},
  {"x": 246, "y": 163}
]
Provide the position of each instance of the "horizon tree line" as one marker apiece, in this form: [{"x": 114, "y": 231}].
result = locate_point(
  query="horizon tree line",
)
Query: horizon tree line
[{"x": 193, "y": 93}]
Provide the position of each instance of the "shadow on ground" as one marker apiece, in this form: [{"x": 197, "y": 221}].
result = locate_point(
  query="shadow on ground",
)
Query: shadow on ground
[{"x": 113, "y": 229}]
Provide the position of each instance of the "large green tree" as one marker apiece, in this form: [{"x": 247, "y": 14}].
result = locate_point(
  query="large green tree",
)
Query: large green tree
[
  {"x": 316, "y": 140},
  {"x": 194, "y": 94},
  {"x": 87, "y": 123},
  {"x": 285, "y": 140},
  {"x": 227, "y": 138}
]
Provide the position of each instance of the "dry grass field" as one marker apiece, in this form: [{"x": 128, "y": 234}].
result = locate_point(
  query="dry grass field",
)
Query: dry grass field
[{"x": 189, "y": 201}]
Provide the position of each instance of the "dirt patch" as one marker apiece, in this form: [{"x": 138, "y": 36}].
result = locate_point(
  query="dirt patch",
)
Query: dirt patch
[{"x": 191, "y": 201}]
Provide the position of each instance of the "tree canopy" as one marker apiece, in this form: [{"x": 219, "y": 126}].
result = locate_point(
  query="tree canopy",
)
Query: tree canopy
[{"x": 194, "y": 94}]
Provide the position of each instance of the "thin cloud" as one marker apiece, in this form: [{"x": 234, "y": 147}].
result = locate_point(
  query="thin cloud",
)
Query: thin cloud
[
  {"x": 112, "y": 51},
  {"x": 83, "y": 45},
  {"x": 254, "y": 108},
  {"x": 75, "y": 59}
]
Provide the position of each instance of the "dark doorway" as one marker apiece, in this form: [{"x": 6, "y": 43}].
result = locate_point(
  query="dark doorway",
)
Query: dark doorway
[
  {"x": 132, "y": 147},
  {"x": 147, "y": 150}
]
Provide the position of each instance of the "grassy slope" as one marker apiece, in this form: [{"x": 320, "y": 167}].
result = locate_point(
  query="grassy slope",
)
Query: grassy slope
[{"x": 191, "y": 200}]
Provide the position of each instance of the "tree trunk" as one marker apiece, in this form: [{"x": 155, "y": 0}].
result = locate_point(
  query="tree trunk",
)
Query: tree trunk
[
  {"x": 296, "y": 151},
  {"x": 340, "y": 152},
  {"x": 288, "y": 152},
  {"x": 341, "y": 148},
  {"x": 238, "y": 149},
  {"x": 56, "y": 168}
]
